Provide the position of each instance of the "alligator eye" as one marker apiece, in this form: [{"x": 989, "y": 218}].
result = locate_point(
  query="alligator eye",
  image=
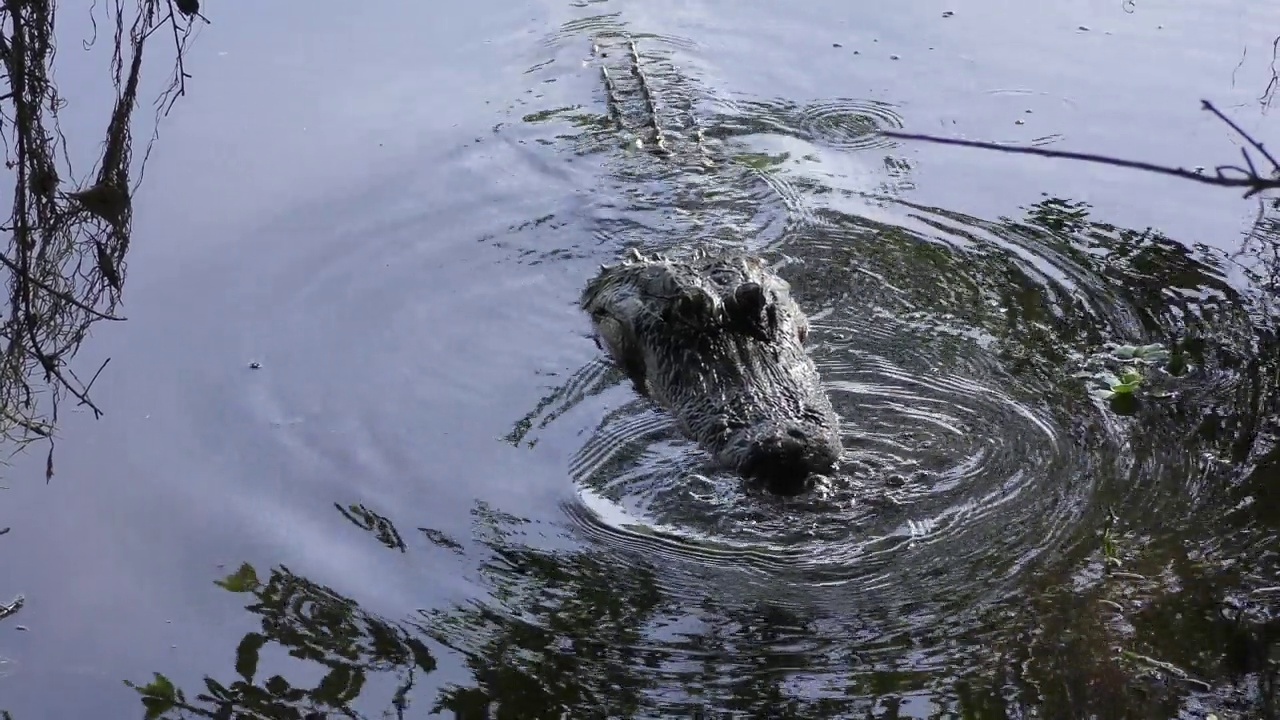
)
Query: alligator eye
[
  {"x": 693, "y": 307},
  {"x": 748, "y": 299},
  {"x": 750, "y": 313}
]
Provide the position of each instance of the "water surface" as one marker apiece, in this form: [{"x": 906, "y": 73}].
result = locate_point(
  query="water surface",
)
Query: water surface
[{"x": 449, "y": 505}]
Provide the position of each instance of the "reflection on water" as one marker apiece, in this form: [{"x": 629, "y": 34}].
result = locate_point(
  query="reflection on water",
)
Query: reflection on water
[
  {"x": 69, "y": 229},
  {"x": 313, "y": 624},
  {"x": 1001, "y": 542},
  {"x": 599, "y": 632},
  {"x": 981, "y": 474}
]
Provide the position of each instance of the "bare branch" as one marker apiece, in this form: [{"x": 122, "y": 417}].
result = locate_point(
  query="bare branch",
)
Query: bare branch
[
  {"x": 1240, "y": 131},
  {"x": 1249, "y": 178}
]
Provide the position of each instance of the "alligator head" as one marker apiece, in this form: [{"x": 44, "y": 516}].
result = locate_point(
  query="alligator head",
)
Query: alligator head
[{"x": 718, "y": 342}]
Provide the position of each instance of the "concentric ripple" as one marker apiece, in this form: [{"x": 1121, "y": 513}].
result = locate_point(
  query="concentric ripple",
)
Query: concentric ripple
[
  {"x": 971, "y": 455},
  {"x": 841, "y": 123},
  {"x": 976, "y": 465},
  {"x": 848, "y": 123},
  {"x": 608, "y": 25},
  {"x": 946, "y": 470},
  {"x": 968, "y": 458}
]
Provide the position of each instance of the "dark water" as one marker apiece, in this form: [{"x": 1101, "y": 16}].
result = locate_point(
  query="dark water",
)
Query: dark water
[{"x": 432, "y": 498}]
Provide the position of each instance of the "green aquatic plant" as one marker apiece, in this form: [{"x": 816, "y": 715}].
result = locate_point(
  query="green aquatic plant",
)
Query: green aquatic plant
[
  {"x": 1110, "y": 550},
  {"x": 1150, "y": 354},
  {"x": 1125, "y": 383},
  {"x": 1118, "y": 371}
]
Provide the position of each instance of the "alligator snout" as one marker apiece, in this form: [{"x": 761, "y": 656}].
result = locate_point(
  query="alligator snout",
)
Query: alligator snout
[{"x": 785, "y": 460}]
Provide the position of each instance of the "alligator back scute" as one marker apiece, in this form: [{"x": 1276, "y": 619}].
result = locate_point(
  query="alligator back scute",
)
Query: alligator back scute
[{"x": 647, "y": 103}]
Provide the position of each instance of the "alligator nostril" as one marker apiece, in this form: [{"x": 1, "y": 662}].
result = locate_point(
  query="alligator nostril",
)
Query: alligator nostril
[{"x": 796, "y": 433}]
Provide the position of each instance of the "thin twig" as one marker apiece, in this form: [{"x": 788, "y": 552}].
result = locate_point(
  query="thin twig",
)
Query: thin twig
[
  {"x": 93, "y": 379},
  {"x": 1250, "y": 179},
  {"x": 61, "y": 295},
  {"x": 1240, "y": 131},
  {"x": 34, "y": 427},
  {"x": 51, "y": 371},
  {"x": 1268, "y": 93},
  {"x": 182, "y": 70}
]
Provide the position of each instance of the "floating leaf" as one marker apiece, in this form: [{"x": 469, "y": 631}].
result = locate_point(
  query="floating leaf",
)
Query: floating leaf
[
  {"x": 1124, "y": 388},
  {"x": 1154, "y": 353},
  {"x": 762, "y": 161},
  {"x": 1124, "y": 352},
  {"x": 1130, "y": 376}
]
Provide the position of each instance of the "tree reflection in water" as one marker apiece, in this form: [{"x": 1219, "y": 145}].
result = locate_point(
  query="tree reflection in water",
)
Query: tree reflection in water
[
  {"x": 68, "y": 232},
  {"x": 596, "y": 633},
  {"x": 1157, "y": 602},
  {"x": 311, "y": 623}
]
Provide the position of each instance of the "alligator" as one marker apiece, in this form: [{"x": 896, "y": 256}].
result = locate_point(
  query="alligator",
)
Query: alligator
[
  {"x": 712, "y": 336},
  {"x": 717, "y": 341}
]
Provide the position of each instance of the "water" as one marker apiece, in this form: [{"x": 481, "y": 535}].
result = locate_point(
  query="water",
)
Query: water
[{"x": 448, "y": 502}]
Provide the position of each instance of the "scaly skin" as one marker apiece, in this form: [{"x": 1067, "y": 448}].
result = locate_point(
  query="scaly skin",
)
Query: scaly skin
[{"x": 718, "y": 342}]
